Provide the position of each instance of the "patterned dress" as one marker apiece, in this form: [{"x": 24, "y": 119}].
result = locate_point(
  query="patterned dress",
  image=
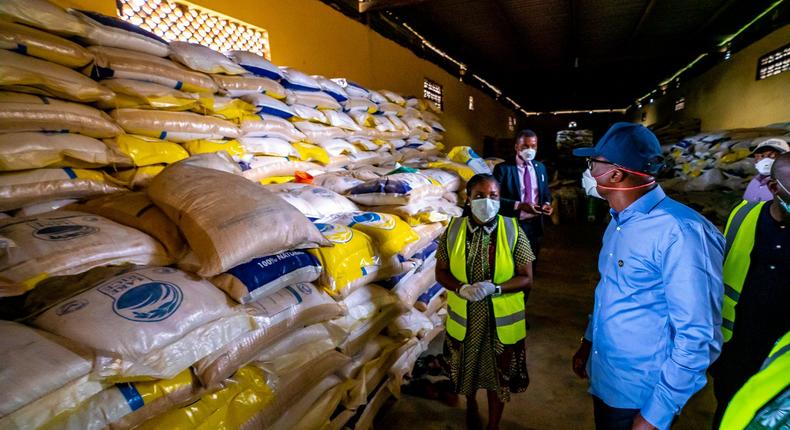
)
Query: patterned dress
[{"x": 481, "y": 361}]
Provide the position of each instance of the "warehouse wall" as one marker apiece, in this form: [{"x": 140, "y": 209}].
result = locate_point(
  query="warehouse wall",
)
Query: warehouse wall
[
  {"x": 728, "y": 96},
  {"x": 313, "y": 37}
]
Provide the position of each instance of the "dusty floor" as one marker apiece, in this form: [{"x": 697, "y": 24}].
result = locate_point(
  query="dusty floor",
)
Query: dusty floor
[{"x": 557, "y": 314}]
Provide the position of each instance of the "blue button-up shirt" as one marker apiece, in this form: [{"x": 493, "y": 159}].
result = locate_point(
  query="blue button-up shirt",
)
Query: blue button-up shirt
[{"x": 656, "y": 324}]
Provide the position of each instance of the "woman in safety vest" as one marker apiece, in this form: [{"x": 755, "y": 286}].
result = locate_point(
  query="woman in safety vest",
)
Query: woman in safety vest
[{"x": 484, "y": 260}]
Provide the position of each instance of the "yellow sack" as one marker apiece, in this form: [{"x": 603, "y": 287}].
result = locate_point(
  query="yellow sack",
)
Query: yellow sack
[
  {"x": 29, "y": 187},
  {"x": 203, "y": 146},
  {"x": 137, "y": 94},
  {"x": 466, "y": 155},
  {"x": 21, "y": 151},
  {"x": 26, "y": 112},
  {"x": 462, "y": 170},
  {"x": 126, "y": 405},
  {"x": 139, "y": 177},
  {"x": 310, "y": 152},
  {"x": 31, "y": 75},
  {"x": 736, "y": 155},
  {"x": 145, "y": 151},
  {"x": 390, "y": 233},
  {"x": 276, "y": 180},
  {"x": 46, "y": 46},
  {"x": 350, "y": 263},
  {"x": 228, "y": 108},
  {"x": 245, "y": 394}
]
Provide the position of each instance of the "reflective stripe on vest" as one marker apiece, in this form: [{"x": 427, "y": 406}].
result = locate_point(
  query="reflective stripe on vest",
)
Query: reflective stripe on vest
[
  {"x": 760, "y": 389},
  {"x": 508, "y": 308},
  {"x": 740, "y": 232}
]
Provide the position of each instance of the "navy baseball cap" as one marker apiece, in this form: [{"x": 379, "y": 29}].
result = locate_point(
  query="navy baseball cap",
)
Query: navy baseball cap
[{"x": 629, "y": 145}]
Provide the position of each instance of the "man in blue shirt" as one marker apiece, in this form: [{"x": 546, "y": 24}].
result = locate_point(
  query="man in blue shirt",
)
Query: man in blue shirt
[{"x": 656, "y": 324}]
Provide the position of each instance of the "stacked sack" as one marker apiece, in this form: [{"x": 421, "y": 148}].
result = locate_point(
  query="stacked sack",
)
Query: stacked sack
[
  {"x": 199, "y": 239},
  {"x": 717, "y": 160}
]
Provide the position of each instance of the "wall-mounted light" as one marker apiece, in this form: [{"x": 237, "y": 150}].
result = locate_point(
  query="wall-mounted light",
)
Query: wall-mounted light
[{"x": 726, "y": 51}]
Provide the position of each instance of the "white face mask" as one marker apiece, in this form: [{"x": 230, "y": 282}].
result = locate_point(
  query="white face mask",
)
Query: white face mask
[
  {"x": 764, "y": 166},
  {"x": 485, "y": 209},
  {"x": 528, "y": 154},
  {"x": 590, "y": 185}
]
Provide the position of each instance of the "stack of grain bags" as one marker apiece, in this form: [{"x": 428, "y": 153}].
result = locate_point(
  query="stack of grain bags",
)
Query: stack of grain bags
[
  {"x": 717, "y": 160},
  {"x": 125, "y": 289}
]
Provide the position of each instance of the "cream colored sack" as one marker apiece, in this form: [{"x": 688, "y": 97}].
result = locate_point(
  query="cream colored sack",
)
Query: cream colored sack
[
  {"x": 237, "y": 86},
  {"x": 149, "y": 322},
  {"x": 290, "y": 387},
  {"x": 203, "y": 59},
  {"x": 30, "y": 75},
  {"x": 298, "y": 348},
  {"x": 45, "y": 46},
  {"x": 26, "y": 112},
  {"x": 313, "y": 201},
  {"x": 41, "y": 14},
  {"x": 174, "y": 126},
  {"x": 226, "y": 229},
  {"x": 278, "y": 317},
  {"x": 136, "y": 210},
  {"x": 313, "y": 99},
  {"x": 317, "y": 133},
  {"x": 148, "y": 95},
  {"x": 21, "y": 151},
  {"x": 263, "y": 167},
  {"x": 28, "y": 187},
  {"x": 122, "y": 63},
  {"x": 338, "y": 182},
  {"x": 65, "y": 243},
  {"x": 270, "y": 126},
  {"x": 97, "y": 33},
  {"x": 301, "y": 406},
  {"x": 34, "y": 364}
]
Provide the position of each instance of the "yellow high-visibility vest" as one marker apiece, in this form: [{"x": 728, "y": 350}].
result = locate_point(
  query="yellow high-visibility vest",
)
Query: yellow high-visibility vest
[
  {"x": 772, "y": 379},
  {"x": 508, "y": 308},
  {"x": 740, "y": 232}
]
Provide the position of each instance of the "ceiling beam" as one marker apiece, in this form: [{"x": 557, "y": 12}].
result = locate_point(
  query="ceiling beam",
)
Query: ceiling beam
[
  {"x": 373, "y": 5},
  {"x": 726, "y": 5},
  {"x": 643, "y": 18}
]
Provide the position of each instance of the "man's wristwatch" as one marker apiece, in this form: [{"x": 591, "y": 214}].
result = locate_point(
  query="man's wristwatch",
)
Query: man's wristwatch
[{"x": 497, "y": 290}]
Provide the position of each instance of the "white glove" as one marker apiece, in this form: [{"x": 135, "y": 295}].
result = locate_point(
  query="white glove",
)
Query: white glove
[
  {"x": 484, "y": 288},
  {"x": 466, "y": 292}
]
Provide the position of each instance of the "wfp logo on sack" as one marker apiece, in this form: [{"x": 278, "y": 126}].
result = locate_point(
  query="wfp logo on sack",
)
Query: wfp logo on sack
[
  {"x": 62, "y": 228},
  {"x": 335, "y": 233},
  {"x": 140, "y": 299},
  {"x": 373, "y": 219}
]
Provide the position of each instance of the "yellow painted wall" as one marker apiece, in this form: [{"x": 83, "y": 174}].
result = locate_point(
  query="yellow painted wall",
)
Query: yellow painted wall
[
  {"x": 728, "y": 96},
  {"x": 314, "y": 38}
]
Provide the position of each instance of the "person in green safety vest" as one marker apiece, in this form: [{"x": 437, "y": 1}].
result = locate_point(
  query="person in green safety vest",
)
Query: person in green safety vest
[
  {"x": 484, "y": 260},
  {"x": 763, "y": 403},
  {"x": 756, "y": 309}
]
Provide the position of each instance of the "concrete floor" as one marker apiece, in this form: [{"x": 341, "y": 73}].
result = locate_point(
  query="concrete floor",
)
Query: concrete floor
[{"x": 557, "y": 314}]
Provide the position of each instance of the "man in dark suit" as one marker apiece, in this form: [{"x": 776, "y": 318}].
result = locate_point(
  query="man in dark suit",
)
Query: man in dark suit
[{"x": 524, "y": 192}]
